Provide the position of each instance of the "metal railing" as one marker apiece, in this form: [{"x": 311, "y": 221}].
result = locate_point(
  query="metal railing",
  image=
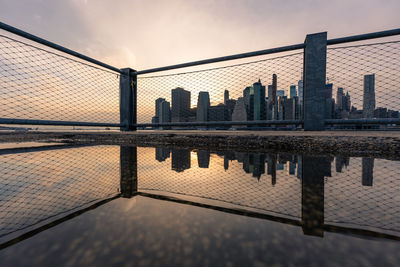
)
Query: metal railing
[{"x": 311, "y": 86}]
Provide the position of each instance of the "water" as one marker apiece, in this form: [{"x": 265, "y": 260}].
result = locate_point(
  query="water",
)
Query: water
[{"x": 63, "y": 205}]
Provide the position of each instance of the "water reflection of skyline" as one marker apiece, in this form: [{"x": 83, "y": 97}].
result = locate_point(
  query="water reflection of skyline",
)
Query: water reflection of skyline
[
  {"x": 257, "y": 164},
  {"x": 318, "y": 193}
]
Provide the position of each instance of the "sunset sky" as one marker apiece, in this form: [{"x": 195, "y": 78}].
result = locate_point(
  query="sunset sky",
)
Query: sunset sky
[{"x": 145, "y": 34}]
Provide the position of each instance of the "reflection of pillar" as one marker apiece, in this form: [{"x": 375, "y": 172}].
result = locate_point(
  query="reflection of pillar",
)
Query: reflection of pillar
[
  {"x": 128, "y": 170},
  {"x": 367, "y": 171},
  {"x": 314, "y": 170},
  {"x": 272, "y": 168}
]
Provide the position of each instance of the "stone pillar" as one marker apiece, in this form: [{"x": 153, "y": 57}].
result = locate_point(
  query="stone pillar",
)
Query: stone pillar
[
  {"x": 314, "y": 77},
  {"x": 128, "y": 99}
]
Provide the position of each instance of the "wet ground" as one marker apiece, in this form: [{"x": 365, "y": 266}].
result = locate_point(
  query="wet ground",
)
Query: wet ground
[{"x": 103, "y": 205}]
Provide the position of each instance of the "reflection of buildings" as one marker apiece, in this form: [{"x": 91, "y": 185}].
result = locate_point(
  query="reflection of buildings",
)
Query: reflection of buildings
[
  {"x": 312, "y": 171},
  {"x": 180, "y": 159},
  {"x": 254, "y": 163},
  {"x": 341, "y": 162},
  {"x": 162, "y": 153},
  {"x": 203, "y": 158}
]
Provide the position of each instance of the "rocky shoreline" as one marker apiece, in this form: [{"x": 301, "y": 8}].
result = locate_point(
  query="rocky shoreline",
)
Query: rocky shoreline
[{"x": 377, "y": 144}]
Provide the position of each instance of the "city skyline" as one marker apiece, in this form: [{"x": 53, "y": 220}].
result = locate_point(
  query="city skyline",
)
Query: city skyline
[{"x": 254, "y": 104}]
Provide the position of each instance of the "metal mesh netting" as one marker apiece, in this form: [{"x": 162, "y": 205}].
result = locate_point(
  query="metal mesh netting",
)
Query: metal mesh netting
[
  {"x": 40, "y": 84},
  {"x": 365, "y": 80},
  {"x": 234, "y": 78},
  {"x": 235, "y": 178},
  {"x": 42, "y": 185},
  {"x": 364, "y": 194},
  {"x": 353, "y": 193}
]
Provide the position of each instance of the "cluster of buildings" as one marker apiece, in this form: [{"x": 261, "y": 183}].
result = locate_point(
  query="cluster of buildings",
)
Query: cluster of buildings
[
  {"x": 258, "y": 164},
  {"x": 255, "y": 105}
]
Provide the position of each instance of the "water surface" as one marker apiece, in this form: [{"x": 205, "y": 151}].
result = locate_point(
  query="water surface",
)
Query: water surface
[{"x": 111, "y": 205}]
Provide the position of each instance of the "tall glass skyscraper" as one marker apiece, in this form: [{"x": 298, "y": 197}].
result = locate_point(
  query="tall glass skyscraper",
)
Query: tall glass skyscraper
[
  {"x": 259, "y": 101},
  {"x": 203, "y": 104},
  {"x": 369, "y": 96},
  {"x": 180, "y": 105},
  {"x": 293, "y": 91}
]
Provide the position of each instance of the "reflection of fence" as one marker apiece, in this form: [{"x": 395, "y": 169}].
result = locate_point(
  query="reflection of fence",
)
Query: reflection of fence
[
  {"x": 298, "y": 85},
  {"x": 356, "y": 193},
  {"x": 49, "y": 183},
  {"x": 43, "y": 186}
]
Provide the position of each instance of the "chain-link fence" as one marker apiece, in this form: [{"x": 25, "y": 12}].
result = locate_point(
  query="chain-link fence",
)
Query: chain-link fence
[
  {"x": 37, "y": 83},
  {"x": 286, "y": 87},
  {"x": 41, "y": 186},
  {"x": 363, "y": 193},
  {"x": 246, "y": 180},
  {"x": 267, "y": 89},
  {"x": 356, "y": 193},
  {"x": 363, "y": 81}
]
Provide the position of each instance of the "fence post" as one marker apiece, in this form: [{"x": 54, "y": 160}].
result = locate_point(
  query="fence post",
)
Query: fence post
[
  {"x": 127, "y": 99},
  {"x": 314, "y": 77}
]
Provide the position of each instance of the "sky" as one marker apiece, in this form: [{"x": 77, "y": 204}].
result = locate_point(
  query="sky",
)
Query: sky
[{"x": 146, "y": 34}]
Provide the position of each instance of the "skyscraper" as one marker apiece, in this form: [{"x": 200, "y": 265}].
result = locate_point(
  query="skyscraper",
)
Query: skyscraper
[
  {"x": 280, "y": 93},
  {"x": 339, "y": 98},
  {"x": 226, "y": 96},
  {"x": 369, "y": 96},
  {"x": 329, "y": 102},
  {"x": 248, "y": 96},
  {"x": 218, "y": 113},
  {"x": 293, "y": 91},
  {"x": 156, "y": 118},
  {"x": 259, "y": 101},
  {"x": 300, "y": 87},
  {"x": 164, "y": 112},
  {"x": 273, "y": 102},
  {"x": 180, "y": 105},
  {"x": 203, "y": 103},
  {"x": 328, "y": 90},
  {"x": 239, "y": 113}
]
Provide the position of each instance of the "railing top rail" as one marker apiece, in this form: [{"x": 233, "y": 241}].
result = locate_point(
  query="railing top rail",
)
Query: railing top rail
[
  {"x": 341, "y": 40},
  {"x": 362, "y": 37},
  {"x": 42, "y": 41},
  {"x": 225, "y": 58}
]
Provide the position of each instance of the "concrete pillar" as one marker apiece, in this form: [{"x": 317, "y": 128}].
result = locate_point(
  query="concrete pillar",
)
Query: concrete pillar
[
  {"x": 128, "y": 171},
  {"x": 314, "y": 77},
  {"x": 127, "y": 99}
]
